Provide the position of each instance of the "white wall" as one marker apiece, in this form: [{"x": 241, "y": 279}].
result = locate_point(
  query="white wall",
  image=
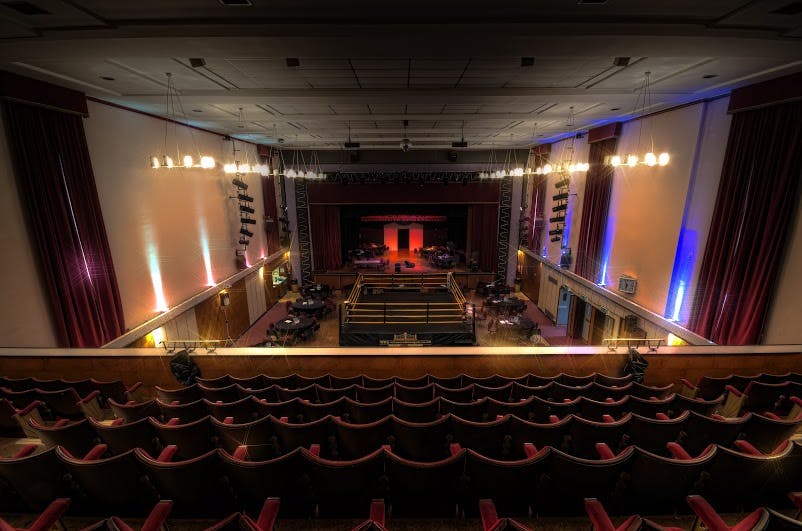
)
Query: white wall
[
  {"x": 158, "y": 220},
  {"x": 647, "y": 203},
  {"x": 25, "y": 315}
]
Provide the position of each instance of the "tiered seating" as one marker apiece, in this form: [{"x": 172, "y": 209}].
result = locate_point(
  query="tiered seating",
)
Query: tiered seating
[
  {"x": 429, "y": 447},
  {"x": 779, "y": 394}
]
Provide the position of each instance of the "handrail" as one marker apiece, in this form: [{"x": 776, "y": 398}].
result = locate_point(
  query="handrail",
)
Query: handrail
[
  {"x": 653, "y": 343},
  {"x": 191, "y": 344}
]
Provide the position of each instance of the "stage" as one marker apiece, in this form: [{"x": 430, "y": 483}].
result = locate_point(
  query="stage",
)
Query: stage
[{"x": 406, "y": 310}]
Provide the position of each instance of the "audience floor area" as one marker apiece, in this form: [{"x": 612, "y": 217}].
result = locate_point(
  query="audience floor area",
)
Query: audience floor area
[
  {"x": 421, "y": 263},
  {"x": 328, "y": 336}
]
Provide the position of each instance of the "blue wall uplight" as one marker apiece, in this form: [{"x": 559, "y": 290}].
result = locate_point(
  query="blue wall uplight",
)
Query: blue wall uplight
[{"x": 684, "y": 262}]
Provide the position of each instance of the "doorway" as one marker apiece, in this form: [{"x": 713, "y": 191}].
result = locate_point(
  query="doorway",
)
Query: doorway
[
  {"x": 403, "y": 239},
  {"x": 563, "y": 305}
]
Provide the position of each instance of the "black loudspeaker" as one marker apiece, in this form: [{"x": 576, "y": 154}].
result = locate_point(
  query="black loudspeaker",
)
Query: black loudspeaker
[
  {"x": 474, "y": 266},
  {"x": 452, "y": 156},
  {"x": 398, "y": 267}
]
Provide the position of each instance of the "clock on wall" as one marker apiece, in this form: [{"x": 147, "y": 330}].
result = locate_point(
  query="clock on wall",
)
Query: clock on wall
[{"x": 627, "y": 284}]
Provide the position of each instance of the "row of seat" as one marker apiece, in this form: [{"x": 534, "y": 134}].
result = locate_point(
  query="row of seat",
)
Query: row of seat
[
  {"x": 504, "y": 438},
  {"x": 115, "y": 389},
  {"x": 511, "y": 391},
  {"x": 295, "y": 381},
  {"x": 713, "y": 386},
  {"x": 298, "y": 411},
  {"x": 546, "y": 482}
]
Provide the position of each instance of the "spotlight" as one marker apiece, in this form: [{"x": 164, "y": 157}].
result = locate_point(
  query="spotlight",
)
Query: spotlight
[
  {"x": 558, "y": 208},
  {"x": 560, "y": 197},
  {"x": 247, "y": 221},
  {"x": 562, "y": 184},
  {"x": 244, "y": 241},
  {"x": 239, "y": 184},
  {"x": 556, "y": 239},
  {"x": 244, "y": 208},
  {"x": 245, "y": 198},
  {"x": 555, "y": 232},
  {"x": 557, "y": 219},
  {"x": 246, "y": 232}
]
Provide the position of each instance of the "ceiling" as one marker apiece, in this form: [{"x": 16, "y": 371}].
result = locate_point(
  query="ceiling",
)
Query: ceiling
[{"x": 503, "y": 74}]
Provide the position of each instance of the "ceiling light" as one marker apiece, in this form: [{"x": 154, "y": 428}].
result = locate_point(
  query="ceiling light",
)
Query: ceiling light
[
  {"x": 709, "y": 76},
  {"x": 107, "y": 78}
]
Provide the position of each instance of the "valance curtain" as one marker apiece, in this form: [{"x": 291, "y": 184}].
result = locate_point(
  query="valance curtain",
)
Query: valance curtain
[
  {"x": 757, "y": 198},
  {"x": 325, "y": 226},
  {"x": 65, "y": 222},
  {"x": 271, "y": 212},
  {"x": 596, "y": 202}
]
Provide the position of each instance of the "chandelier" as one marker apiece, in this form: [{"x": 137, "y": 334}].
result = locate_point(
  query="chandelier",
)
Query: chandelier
[
  {"x": 165, "y": 160},
  {"x": 244, "y": 167},
  {"x": 300, "y": 168},
  {"x": 650, "y": 158},
  {"x": 566, "y": 163}
]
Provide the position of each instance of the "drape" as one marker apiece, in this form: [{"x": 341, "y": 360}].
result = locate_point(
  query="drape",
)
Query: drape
[
  {"x": 271, "y": 212},
  {"x": 484, "y": 233},
  {"x": 757, "y": 197},
  {"x": 325, "y": 226},
  {"x": 596, "y": 202},
  {"x": 57, "y": 189}
]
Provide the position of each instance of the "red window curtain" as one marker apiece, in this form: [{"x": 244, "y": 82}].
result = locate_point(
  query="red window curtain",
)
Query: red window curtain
[
  {"x": 271, "y": 213},
  {"x": 598, "y": 188},
  {"x": 325, "y": 227},
  {"x": 757, "y": 198},
  {"x": 484, "y": 234},
  {"x": 57, "y": 189}
]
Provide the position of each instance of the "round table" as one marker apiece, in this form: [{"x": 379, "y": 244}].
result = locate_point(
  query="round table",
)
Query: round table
[
  {"x": 307, "y": 307},
  {"x": 318, "y": 291},
  {"x": 505, "y": 306},
  {"x": 290, "y": 325}
]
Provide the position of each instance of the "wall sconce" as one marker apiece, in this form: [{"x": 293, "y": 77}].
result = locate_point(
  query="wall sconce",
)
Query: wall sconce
[{"x": 225, "y": 298}]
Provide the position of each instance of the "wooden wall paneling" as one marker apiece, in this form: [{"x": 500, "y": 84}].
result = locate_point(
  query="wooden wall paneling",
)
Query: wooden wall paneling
[
  {"x": 254, "y": 286},
  {"x": 530, "y": 278},
  {"x": 212, "y": 320}
]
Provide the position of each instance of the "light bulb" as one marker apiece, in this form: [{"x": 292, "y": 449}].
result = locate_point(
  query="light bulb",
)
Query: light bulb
[
  {"x": 291, "y": 173},
  {"x": 154, "y": 162},
  {"x": 663, "y": 159},
  {"x": 503, "y": 173},
  {"x": 547, "y": 169},
  {"x": 632, "y": 160},
  {"x": 572, "y": 168},
  {"x": 230, "y": 168},
  {"x": 518, "y": 172},
  {"x": 528, "y": 171},
  {"x": 168, "y": 161},
  {"x": 207, "y": 162},
  {"x": 585, "y": 166},
  {"x": 539, "y": 171},
  {"x": 311, "y": 175},
  {"x": 650, "y": 159},
  {"x": 245, "y": 168},
  {"x": 615, "y": 161},
  {"x": 300, "y": 173},
  {"x": 187, "y": 161},
  {"x": 264, "y": 170}
]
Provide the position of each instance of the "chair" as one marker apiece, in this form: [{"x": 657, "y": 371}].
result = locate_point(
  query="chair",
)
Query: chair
[
  {"x": 371, "y": 395},
  {"x": 585, "y": 434},
  {"x": 491, "y": 439},
  {"x": 196, "y": 486},
  {"x": 464, "y": 394},
  {"x": 491, "y": 521},
  {"x": 133, "y": 411},
  {"x": 185, "y": 413},
  {"x": 182, "y": 395},
  {"x": 292, "y": 436},
  {"x": 126, "y": 436},
  {"x": 652, "y": 434},
  {"x": 434, "y": 489},
  {"x": 475, "y": 410},
  {"x": 422, "y": 442},
  {"x": 36, "y": 479},
  {"x": 414, "y": 395},
  {"x": 375, "y": 521},
  {"x": 365, "y": 413},
  {"x": 358, "y": 440},
  {"x": 237, "y": 412},
  {"x": 329, "y": 394},
  {"x": 219, "y": 394},
  {"x": 600, "y": 521},
  {"x": 14, "y": 422},
  {"x": 78, "y": 437},
  {"x": 500, "y": 392},
  {"x": 284, "y": 477},
  {"x": 192, "y": 439},
  {"x": 511, "y": 484},
  {"x": 46, "y": 518},
  {"x": 112, "y": 485},
  {"x": 266, "y": 519},
  {"x": 257, "y": 436},
  {"x": 417, "y": 412},
  {"x": 755, "y": 520},
  {"x": 344, "y": 488},
  {"x": 215, "y": 383}
]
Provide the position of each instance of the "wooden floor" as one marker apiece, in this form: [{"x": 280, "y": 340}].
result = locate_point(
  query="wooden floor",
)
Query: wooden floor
[{"x": 406, "y": 255}]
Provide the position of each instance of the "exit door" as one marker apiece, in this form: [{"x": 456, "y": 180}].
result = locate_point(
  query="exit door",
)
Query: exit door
[{"x": 563, "y": 305}]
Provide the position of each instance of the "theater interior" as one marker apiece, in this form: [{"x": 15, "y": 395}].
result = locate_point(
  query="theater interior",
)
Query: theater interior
[{"x": 442, "y": 266}]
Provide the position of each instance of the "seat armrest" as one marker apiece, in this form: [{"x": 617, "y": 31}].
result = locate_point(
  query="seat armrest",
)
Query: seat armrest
[
  {"x": 51, "y": 515},
  {"x": 88, "y": 398},
  {"x": 167, "y": 453},
  {"x": 241, "y": 453},
  {"x": 35, "y": 404},
  {"x": 733, "y": 390},
  {"x": 662, "y": 416},
  {"x": 604, "y": 451},
  {"x": 173, "y": 421},
  {"x": 96, "y": 453},
  {"x": 118, "y": 422},
  {"x": 554, "y": 419},
  {"x": 678, "y": 452},
  {"x": 607, "y": 419},
  {"x": 315, "y": 449},
  {"x": 158, "y": 516},
  {"x": 530, "y": 449},
  {"x": 60, "y": 423},
  {"x": 454, "y": 448},
  {"x": 269, "y": 513},
  {"x": 25, "y": 451}
]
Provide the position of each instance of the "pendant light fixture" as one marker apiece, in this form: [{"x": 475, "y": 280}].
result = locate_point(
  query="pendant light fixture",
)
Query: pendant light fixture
[{"x": 168, "y": 159}]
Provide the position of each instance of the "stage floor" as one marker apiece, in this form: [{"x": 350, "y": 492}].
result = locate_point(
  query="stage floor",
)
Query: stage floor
[{"x": 421, "y": 264}]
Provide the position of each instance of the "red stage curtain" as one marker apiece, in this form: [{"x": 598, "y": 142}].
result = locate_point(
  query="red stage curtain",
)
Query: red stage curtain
[
  {"x": 484, "y": 233},
  {"x": 271, "y": 212},
  {"x": 757, "y": 198},
  {"x": 598, "y": 188},
  {"x": 65, "y": 222},
  {"x": 325, "y": 226}
]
